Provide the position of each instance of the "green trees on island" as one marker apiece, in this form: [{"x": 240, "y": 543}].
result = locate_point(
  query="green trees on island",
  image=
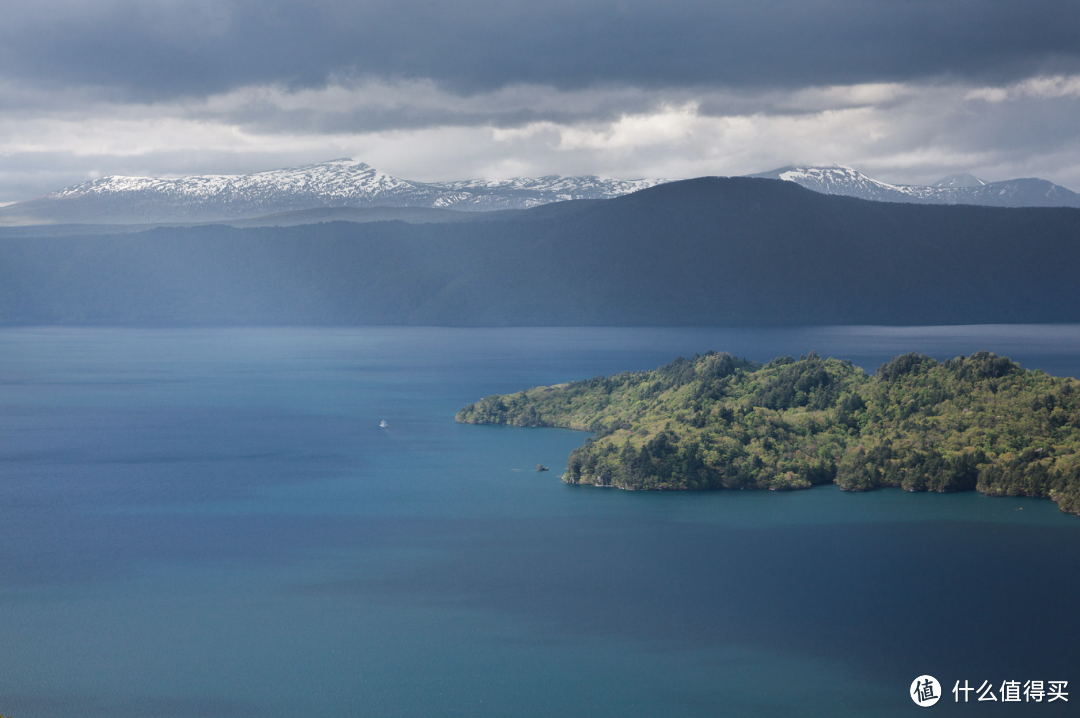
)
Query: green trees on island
[{"x": 980, "y": 422}]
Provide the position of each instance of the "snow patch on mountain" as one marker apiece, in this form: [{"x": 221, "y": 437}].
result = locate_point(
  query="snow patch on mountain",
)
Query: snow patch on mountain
[
  {"x": 341, "y": 179},
  {"x": 843, "y": 180},
  {"x": 338, "y": 183},
  {"x": 954, "y": 189},
  {"x": 959, "y": 180}
]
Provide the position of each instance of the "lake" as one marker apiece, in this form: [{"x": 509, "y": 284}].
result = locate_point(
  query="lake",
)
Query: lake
[{"x": 213, "y": 523}]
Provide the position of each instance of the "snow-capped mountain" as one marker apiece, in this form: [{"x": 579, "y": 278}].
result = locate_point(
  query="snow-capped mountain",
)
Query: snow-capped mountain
[
  {"x": 348, "y": 183},
  {"x": 954, "y": 189},
  {"x": 846, "y": 181},
  {"x": 338, "y": 183},
  {"x": 532, "y": 191},
  {"x": 338, "y": 180},
  {"x": 961, "y": 180}
]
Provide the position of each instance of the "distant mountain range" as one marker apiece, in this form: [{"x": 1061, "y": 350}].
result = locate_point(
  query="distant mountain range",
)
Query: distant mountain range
[
  {"x": 709, "y": 251},
  {"x": 344, "y": 183},
  {"x": 954, "y": 189},
  {"x": 347, "y": 189}
]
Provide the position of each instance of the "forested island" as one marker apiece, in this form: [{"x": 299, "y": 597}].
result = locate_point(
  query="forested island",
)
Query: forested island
[{"x": 715, "y": 421}]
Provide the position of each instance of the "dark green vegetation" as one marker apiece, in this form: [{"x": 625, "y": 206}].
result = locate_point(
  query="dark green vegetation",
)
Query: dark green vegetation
[
  {"x": 702, "y": 252},
  {"x": 980, "y": 422}
]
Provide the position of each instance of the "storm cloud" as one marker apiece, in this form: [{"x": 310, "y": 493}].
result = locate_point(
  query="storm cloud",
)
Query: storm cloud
[
  {"x": 908, "y": 91},
  {"x": 169, "y": 48}
]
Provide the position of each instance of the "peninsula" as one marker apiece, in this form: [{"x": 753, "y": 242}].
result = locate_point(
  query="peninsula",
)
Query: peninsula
[{"x": 718, "y": 422}]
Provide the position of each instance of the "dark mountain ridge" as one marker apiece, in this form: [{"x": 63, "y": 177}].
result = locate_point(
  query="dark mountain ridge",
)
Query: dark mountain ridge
[{"x": 710, "y": 251}]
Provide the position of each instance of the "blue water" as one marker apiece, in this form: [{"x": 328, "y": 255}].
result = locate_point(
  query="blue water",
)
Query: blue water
[{"x": 212, "y": 523}]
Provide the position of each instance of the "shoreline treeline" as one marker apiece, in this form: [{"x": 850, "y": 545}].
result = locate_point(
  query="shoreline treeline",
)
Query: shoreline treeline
[{"x": 971, "y": 423}]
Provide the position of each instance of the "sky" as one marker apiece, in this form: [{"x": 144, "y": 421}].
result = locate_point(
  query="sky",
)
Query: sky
[{"x": 906, "y": 91}]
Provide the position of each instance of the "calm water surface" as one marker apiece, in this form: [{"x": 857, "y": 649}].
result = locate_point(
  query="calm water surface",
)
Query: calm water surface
[{"x": 212, "y": 523}]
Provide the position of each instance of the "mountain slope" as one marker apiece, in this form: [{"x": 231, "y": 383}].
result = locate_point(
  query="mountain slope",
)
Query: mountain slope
[
  {"x": 955, "y": 189},
  {"x": 339, "y": 184},
  {"x": 712, "y": 251},
  {"x": 531, "y": 192},
  {"x": 959, "y": 180}
]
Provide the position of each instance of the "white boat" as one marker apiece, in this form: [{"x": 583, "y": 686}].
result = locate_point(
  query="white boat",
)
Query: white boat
[{"x": 383, "y": 424}]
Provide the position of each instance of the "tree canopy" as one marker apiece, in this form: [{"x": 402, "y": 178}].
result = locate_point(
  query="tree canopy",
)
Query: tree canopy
[{"x": 971, "y": 423}]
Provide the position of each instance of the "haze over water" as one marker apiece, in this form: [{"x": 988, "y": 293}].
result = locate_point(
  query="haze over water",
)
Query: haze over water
[{"x": 212, "y": 523}]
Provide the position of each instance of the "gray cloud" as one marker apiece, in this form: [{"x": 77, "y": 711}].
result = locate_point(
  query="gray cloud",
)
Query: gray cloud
[{"x": 154, "y": 49}]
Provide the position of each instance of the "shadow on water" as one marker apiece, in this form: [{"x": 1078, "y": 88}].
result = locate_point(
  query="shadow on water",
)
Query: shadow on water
[{"x": 956, "y": 598}]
